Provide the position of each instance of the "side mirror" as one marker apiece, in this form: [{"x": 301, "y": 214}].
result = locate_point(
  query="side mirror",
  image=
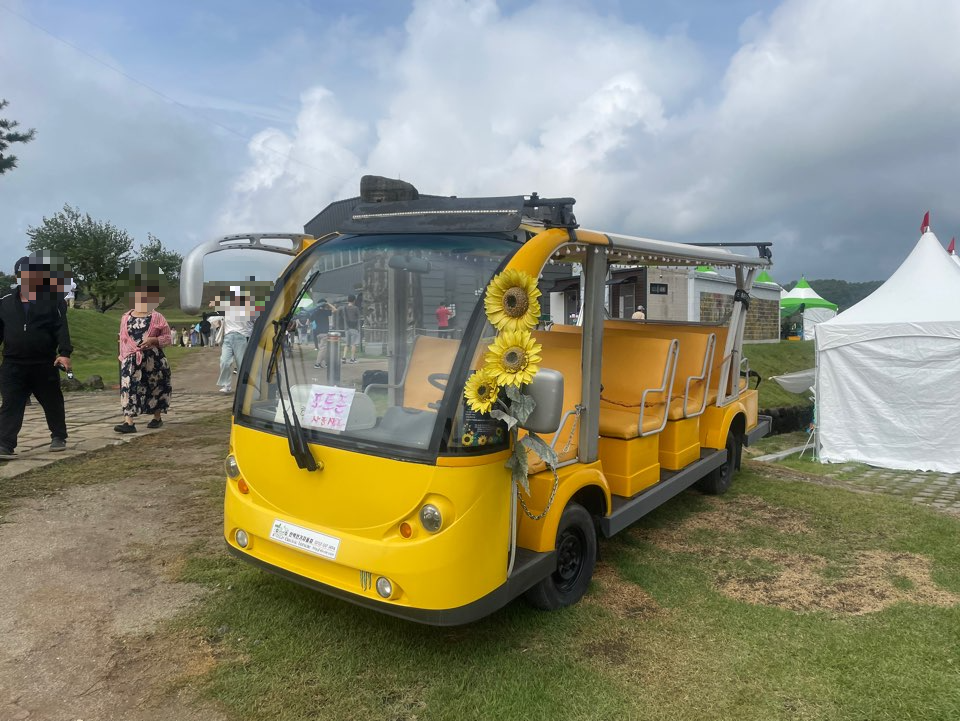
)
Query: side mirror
[{"x": 547, "y": 390}]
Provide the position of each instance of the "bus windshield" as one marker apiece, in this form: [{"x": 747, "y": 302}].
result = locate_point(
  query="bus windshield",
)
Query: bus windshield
[{"x": 371, "y": 344}]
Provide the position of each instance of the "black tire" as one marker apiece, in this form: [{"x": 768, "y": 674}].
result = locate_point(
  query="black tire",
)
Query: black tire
[
  {"x": 720, "y": 479},
  {"x": 576, "y": 558}
]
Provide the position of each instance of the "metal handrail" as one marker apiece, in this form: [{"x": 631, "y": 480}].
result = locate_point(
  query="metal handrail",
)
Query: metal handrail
[
  {"x": 707, "y": 372},
  {"x": 669, "y": 370}
]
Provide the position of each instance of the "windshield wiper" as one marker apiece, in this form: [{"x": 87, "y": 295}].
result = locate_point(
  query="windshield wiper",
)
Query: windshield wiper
[
  {"x": 296, "y": 439},
  {"x": 280, "y": 326}
]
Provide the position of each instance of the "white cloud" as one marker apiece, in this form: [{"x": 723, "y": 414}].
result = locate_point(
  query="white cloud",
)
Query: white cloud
[
  {"x": 832, "y": 131},
  {"x": 103, "y": 144},
  {"x": 834, "y": 128},
  {"x": 480, "y": 104}
]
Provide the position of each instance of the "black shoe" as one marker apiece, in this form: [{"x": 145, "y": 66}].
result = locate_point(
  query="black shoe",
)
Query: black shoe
[
  {"x": 7, "y": 453},
  {"x": 58, "y": 444},
  {"x": 155, "y": 423},
  {"x": 125, "y": 428}
]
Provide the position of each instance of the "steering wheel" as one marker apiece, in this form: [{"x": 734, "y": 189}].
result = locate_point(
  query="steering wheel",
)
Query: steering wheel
[{"x": 438, "y": 380}]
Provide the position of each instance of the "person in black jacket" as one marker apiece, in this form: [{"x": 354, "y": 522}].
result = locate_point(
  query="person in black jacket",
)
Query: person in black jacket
[
  {"x": 36, "y": 340},
  {"x": 204, "y": 330}
]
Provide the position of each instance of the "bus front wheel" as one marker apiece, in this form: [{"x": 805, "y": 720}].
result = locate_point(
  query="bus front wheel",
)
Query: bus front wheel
[
  {"x": 576, "y": 558},
  {"x": 719, "y": 480}
]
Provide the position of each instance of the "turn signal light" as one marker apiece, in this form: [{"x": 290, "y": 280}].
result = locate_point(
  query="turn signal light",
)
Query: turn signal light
[
  {"x": 242, "y": 486},
  {"x": 406, "y": 530}
]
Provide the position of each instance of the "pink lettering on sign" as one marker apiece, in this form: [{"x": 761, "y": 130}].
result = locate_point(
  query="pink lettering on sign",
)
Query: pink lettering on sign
[{"x": 328, "y": 408}]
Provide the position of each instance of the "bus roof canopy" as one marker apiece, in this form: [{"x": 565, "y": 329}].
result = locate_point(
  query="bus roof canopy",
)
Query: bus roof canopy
[{"x": 646, "y": 251}]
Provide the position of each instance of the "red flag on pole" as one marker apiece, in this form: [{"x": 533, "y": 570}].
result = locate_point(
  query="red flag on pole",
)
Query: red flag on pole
[
  {"x": 925, "y": 225},
  {"x": 952, "y": 248}
]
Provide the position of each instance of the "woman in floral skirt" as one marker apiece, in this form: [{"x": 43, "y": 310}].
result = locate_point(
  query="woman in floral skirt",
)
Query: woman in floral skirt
[{"x": 144, "y": 373}]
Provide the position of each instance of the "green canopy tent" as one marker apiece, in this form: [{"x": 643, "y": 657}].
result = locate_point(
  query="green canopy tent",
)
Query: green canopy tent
[{"x": 811, "y": 308}]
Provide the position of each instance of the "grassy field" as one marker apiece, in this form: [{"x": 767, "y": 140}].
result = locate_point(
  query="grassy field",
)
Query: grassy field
[
  {"x": 771, "y": 359},
  {"x": 781, "y": 600}
]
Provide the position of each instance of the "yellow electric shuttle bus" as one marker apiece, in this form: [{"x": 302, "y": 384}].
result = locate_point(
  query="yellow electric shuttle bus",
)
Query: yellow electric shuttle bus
[{"x": 385, "y": 481}]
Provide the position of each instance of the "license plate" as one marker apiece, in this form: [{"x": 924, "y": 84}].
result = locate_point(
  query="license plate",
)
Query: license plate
[{"x": 319, "y": 544}]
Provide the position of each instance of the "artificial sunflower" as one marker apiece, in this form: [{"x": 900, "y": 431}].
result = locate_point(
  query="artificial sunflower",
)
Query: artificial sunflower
[
  {"x": 511, "y": 301},
  {"x": 481, "y": 391},
  {"x": 467, "y": 439},
  {"x": 514, "y": 358}
]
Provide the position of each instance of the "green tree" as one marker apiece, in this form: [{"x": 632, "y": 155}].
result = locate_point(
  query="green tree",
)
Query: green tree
[
  {"x": 97, "y": 250},
  {"x": 168, "y": 260},
  {"x": 8, "y": 135}
]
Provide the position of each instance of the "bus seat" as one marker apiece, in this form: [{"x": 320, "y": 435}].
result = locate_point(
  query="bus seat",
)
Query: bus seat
[
  {"x": 561, "y": 352},
  {"x": 637, "y": 377},
  {"x": 694, "y": 365},
  {"x": 422, "y": 386}
]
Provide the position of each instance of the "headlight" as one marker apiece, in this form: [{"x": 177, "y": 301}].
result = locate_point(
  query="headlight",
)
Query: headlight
[
  {"x": 231, "y": 467},
  {"x": 242, "y": 539},
  {"x": 430, "y": 518}
]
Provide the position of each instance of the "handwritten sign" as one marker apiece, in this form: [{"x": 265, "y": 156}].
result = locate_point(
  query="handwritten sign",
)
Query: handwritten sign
[{"x": 328, "y": 407}]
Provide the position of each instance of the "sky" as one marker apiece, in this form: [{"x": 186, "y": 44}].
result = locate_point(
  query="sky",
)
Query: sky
[{"x": 825, "y": 126}]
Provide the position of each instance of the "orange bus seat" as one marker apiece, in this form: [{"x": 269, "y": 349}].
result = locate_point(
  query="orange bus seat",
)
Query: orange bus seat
[
  {"x": 637, "y": 377},
  {"x": 422, "y": 387},
  {"x": 561, "y": 352}
]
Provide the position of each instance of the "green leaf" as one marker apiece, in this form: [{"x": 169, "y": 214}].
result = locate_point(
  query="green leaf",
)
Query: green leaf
[
  {"x": 505, "y": 417},
  {"x": 536, "y": 444},
  {"x": 517, "y": 463},
  {"x": 521, "y": 405}
]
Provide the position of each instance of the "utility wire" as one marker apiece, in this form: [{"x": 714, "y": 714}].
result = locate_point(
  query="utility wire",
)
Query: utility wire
[{"x": 150, "y": 88}]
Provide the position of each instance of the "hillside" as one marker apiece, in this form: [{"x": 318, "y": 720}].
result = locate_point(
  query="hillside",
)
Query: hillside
[{"x": 771, "y": 359}]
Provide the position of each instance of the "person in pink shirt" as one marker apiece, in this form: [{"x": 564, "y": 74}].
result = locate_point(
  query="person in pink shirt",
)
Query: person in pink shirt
[{"x": 145, "y": 386}]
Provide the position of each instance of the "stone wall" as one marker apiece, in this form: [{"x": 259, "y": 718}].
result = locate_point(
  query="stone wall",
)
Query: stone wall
[{"x": 763, "y": 318}]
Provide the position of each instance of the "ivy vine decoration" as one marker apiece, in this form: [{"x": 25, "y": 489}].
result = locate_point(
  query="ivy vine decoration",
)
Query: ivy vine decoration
[{"x": 513, "y": 359}]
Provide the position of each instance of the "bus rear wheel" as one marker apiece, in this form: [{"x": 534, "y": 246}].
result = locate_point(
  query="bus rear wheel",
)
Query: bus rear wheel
[
  {"x": 720, "y": 479},
  {"x": 576, "y": 557}
]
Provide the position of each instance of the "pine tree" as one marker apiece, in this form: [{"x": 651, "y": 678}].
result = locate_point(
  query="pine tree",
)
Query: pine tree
[{"x": 9, "y": 135}]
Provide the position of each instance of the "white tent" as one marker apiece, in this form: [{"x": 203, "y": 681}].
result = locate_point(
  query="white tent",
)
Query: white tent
[
  {"x": 813, "y": 308},
  {"x": 888, "y": 370}
]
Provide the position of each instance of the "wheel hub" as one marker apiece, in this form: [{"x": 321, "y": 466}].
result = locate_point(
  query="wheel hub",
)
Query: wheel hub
[{"x": 569, "y": 558}]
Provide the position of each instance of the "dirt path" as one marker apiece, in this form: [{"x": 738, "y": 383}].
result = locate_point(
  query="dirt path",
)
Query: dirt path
[{"x": 88, "y": 576}]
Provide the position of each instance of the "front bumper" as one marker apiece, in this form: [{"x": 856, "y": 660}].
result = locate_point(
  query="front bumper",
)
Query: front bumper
[{"x": 529, "y": 569}]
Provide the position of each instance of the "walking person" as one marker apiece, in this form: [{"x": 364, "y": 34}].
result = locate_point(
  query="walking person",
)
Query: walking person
[
  {"x": 36, "y": 341},
  {"x": 204, "y": 329},
  {"x": 320, "y": 319},
  {"x": 443, "y": 321},
  {"x": 237, "y": 326},
  {"x": 351, "y": 324},
  {"x": 145, "y": 384}
]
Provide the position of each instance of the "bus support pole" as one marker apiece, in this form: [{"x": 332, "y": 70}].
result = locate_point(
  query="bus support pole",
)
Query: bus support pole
[{"x": 595, "y": 269}]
